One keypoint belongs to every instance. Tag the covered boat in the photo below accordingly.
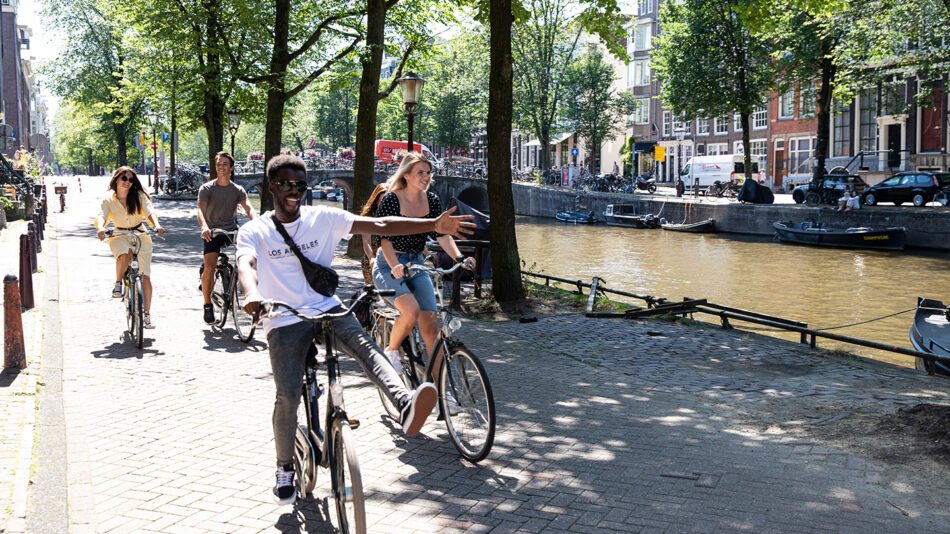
(575, 217)
(709, 225)
(815, 233)
(931, 333)
(625, 215)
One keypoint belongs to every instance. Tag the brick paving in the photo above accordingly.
(603, 426)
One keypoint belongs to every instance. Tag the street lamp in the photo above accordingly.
(234, 122)
(680, 133)
(153, 118)
(410, 85)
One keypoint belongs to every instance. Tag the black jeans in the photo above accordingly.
(288, 346)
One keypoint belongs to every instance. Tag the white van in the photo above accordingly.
(726, 167)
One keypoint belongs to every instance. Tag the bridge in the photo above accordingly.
(471, 191)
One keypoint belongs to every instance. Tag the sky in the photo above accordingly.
(44, 45)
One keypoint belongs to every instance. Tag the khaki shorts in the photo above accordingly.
(123, 244)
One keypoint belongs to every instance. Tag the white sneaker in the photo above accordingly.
(284, 490)
(147, 323)
(117, 290)
(452, 405)
(394, 359)
(415, 412)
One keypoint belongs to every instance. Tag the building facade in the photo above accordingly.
(19, 97)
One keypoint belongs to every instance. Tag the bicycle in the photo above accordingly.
(227, 294)
(310, 447)
(134, 295)
(466, 402)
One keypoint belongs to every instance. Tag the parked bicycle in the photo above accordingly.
(724, 188)
(133, 297)
(465, 395)
(227, 294)
(312, 447)
(185, 180)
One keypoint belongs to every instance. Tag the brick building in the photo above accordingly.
(19, 98)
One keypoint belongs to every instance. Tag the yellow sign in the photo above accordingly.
(660, 154)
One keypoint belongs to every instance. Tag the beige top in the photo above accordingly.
(113, 209)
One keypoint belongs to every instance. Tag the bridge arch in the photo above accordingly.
(474, 196)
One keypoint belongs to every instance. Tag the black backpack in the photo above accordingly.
(362, 311)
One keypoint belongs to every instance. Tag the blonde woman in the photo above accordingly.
(409, 196)
(126, 206)
(369, 241)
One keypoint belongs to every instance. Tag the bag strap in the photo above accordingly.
(290, 242)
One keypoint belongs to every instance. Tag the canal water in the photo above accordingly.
(823, 287)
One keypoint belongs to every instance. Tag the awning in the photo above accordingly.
(561, 138)
(646, 146)
(533, 142)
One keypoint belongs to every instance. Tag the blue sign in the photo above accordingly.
(164, 137)
(574, 152)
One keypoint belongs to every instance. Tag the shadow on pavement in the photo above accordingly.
(225, 340)
(309, 515)
(126, 349)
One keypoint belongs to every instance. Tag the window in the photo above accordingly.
(759, 148)
(641, 37)
(702, 126)
(687, 152)
(642, 113)
(786, 105)
(842, 129)
(721, 126)
(800, 154)
(737, 122)
(685, 127)
(641, 72)
(808, 96)
(667, 124)
(700, 150)
(644, 7)
(868, 120)
(760, 118)
(717, 149)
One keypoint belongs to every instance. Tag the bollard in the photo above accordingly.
(14, 351)
(31, 234)
(78, 179)
(26, 275)
(62, 202)
(38, 227)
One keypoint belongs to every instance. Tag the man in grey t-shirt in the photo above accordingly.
(217, 209)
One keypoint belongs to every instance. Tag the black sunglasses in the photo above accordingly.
(287, 185)
(126, 178)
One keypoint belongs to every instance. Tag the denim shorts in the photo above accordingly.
(418, 284)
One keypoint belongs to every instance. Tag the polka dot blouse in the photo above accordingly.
(414, 243)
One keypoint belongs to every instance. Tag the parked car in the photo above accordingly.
(916, 187)
(829, 192)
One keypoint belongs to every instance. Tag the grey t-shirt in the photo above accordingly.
(222, 203)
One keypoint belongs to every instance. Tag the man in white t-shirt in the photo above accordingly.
(268, 269)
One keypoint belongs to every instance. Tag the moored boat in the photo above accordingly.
(625, 215)
(709, 225)
(575, 217)
(931, 333)
(815, 233)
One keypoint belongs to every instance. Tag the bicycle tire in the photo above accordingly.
(472, 426)
(381, 330)
(139, 312)
(219, 297)
(346, 481)
(129, 308)
(305, 464)
(243, 321)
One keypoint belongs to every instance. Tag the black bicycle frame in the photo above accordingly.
(313, 392)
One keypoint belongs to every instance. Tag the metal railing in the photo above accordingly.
(725, 313)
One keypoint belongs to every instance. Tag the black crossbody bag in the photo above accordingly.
(322, 279)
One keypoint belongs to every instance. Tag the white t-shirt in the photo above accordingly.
(316, 232)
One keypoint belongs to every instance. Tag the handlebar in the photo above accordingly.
(270, 308)
(112, 232)
(434, 270)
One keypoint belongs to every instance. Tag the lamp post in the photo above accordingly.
(153, 118)
(410, 85)
(234, 122)
(680, 133)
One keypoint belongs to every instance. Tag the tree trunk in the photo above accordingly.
(506, 264)
(747, 160)
(364, 162)
(544, 137)
(276, 97)
(121, 144)
(214, 127)
(824, 108)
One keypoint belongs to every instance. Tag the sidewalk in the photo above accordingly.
(603, 425)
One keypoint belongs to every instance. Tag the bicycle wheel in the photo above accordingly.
(468, 404)
(305, 464)
(243, 321)
(346, 480)
(381, 329)
(139, 312)
(129, 302)
(219, 297)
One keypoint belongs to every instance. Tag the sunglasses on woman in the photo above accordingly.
(287, 185)
(126, 178)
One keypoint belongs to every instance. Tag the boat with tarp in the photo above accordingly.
(816, 233)
(625, 215)
(931, 333)
(575, 217)
(699, 227)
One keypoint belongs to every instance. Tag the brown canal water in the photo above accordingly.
(823, 287)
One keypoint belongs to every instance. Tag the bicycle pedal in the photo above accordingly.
(354, 423)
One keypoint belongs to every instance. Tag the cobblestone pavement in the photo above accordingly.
(603, 425)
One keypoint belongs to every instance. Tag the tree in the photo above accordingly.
(711, 64)
(334, 112)
(591, 105)
(457, 102)
(543, 49)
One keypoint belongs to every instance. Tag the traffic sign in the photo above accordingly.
(660, 153)
(164, 137)
(154, 146)
(574, 152)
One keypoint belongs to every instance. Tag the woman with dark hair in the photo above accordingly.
(126, 205)
(409, 196)
(369, 242)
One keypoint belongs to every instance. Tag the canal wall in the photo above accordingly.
(927, 227)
